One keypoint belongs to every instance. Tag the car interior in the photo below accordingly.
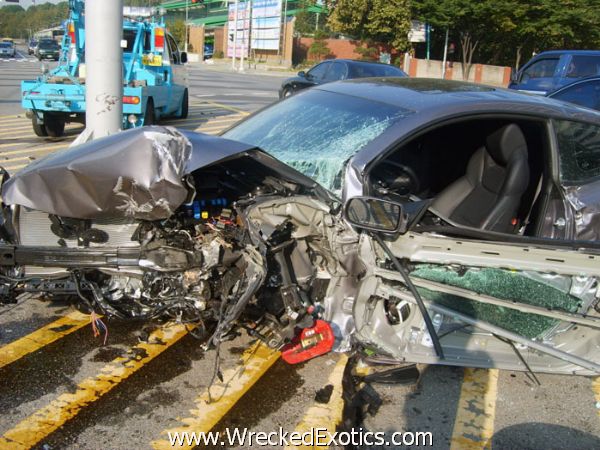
(486, 174)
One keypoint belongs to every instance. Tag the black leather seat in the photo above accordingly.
(488, 195)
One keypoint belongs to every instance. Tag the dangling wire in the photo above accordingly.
(96, 322)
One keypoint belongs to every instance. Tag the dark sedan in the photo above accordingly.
(48, 49)
(336, 70)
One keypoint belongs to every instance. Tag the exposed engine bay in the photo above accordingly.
(244, 243)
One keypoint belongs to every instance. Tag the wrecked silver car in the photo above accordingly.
(426, 221)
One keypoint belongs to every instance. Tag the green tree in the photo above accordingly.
(386, 21)
(319, 49)
(474, 23)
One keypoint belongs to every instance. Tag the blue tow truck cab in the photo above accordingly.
(154, 75)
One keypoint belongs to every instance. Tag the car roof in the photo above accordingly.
(357, 61)
(568, 52)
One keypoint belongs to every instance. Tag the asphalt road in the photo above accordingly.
(61, 387)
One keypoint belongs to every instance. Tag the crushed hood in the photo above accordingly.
(138, 173)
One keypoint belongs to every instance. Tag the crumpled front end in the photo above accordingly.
(156, 223)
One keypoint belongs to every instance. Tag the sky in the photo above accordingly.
(27, 3)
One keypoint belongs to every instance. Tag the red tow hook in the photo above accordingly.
(312, 342)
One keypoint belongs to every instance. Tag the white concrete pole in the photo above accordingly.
(235, 20)
(243, 36)
(445, 55)
(186, 26)
(104, 67)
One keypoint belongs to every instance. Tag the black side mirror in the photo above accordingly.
(183, 57)
(302, 74)
(375, 214)
(514, 75)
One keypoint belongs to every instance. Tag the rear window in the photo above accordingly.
(365, 70)
(48, 44)
(130, 35)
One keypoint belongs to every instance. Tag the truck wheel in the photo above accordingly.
(149, 117)
(185, 105)
(55, 127)
(38, 128)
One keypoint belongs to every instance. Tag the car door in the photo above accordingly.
(540, 76)
(178, 75)
(492, 299)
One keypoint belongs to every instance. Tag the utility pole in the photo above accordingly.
(186, 26)
(427, 38)
(445, 55)
(244, 17)
(235, 20)
(104, 64)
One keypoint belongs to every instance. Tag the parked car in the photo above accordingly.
(47, 49)
(548, 71)
(584, 92)
(336, 70)
(7, 49)
(429, 221)
(31, 46)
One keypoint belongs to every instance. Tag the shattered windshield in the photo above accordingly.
(316, 132)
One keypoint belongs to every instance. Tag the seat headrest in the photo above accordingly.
(502, 144)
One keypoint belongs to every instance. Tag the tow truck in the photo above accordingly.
(154, 75)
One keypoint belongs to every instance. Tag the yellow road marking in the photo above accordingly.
(44, 421)
(237, 381)
(42, 337)
(36, 144)
(327, 415)
(474, 423)
(30, 150)
(230, 108)
(207, 120)
(596, 389)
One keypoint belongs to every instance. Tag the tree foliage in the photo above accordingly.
(507, 31)
(17, 22)
(386, 21)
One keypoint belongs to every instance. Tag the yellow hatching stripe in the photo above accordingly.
(596, 389)
(327, 415)
(237, 381)
(474, 423)
(44, 421)
(230, 108)
(42, 337)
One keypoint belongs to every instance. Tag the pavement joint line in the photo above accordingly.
(476, 410)
(45, 335)
(49, 418)
(330, 414)
(255, 362)
(65, 141)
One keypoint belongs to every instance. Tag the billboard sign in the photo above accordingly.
(243, 29)
(266, 24)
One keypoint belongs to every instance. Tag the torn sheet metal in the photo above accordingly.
(135, 173)
(586, 203)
